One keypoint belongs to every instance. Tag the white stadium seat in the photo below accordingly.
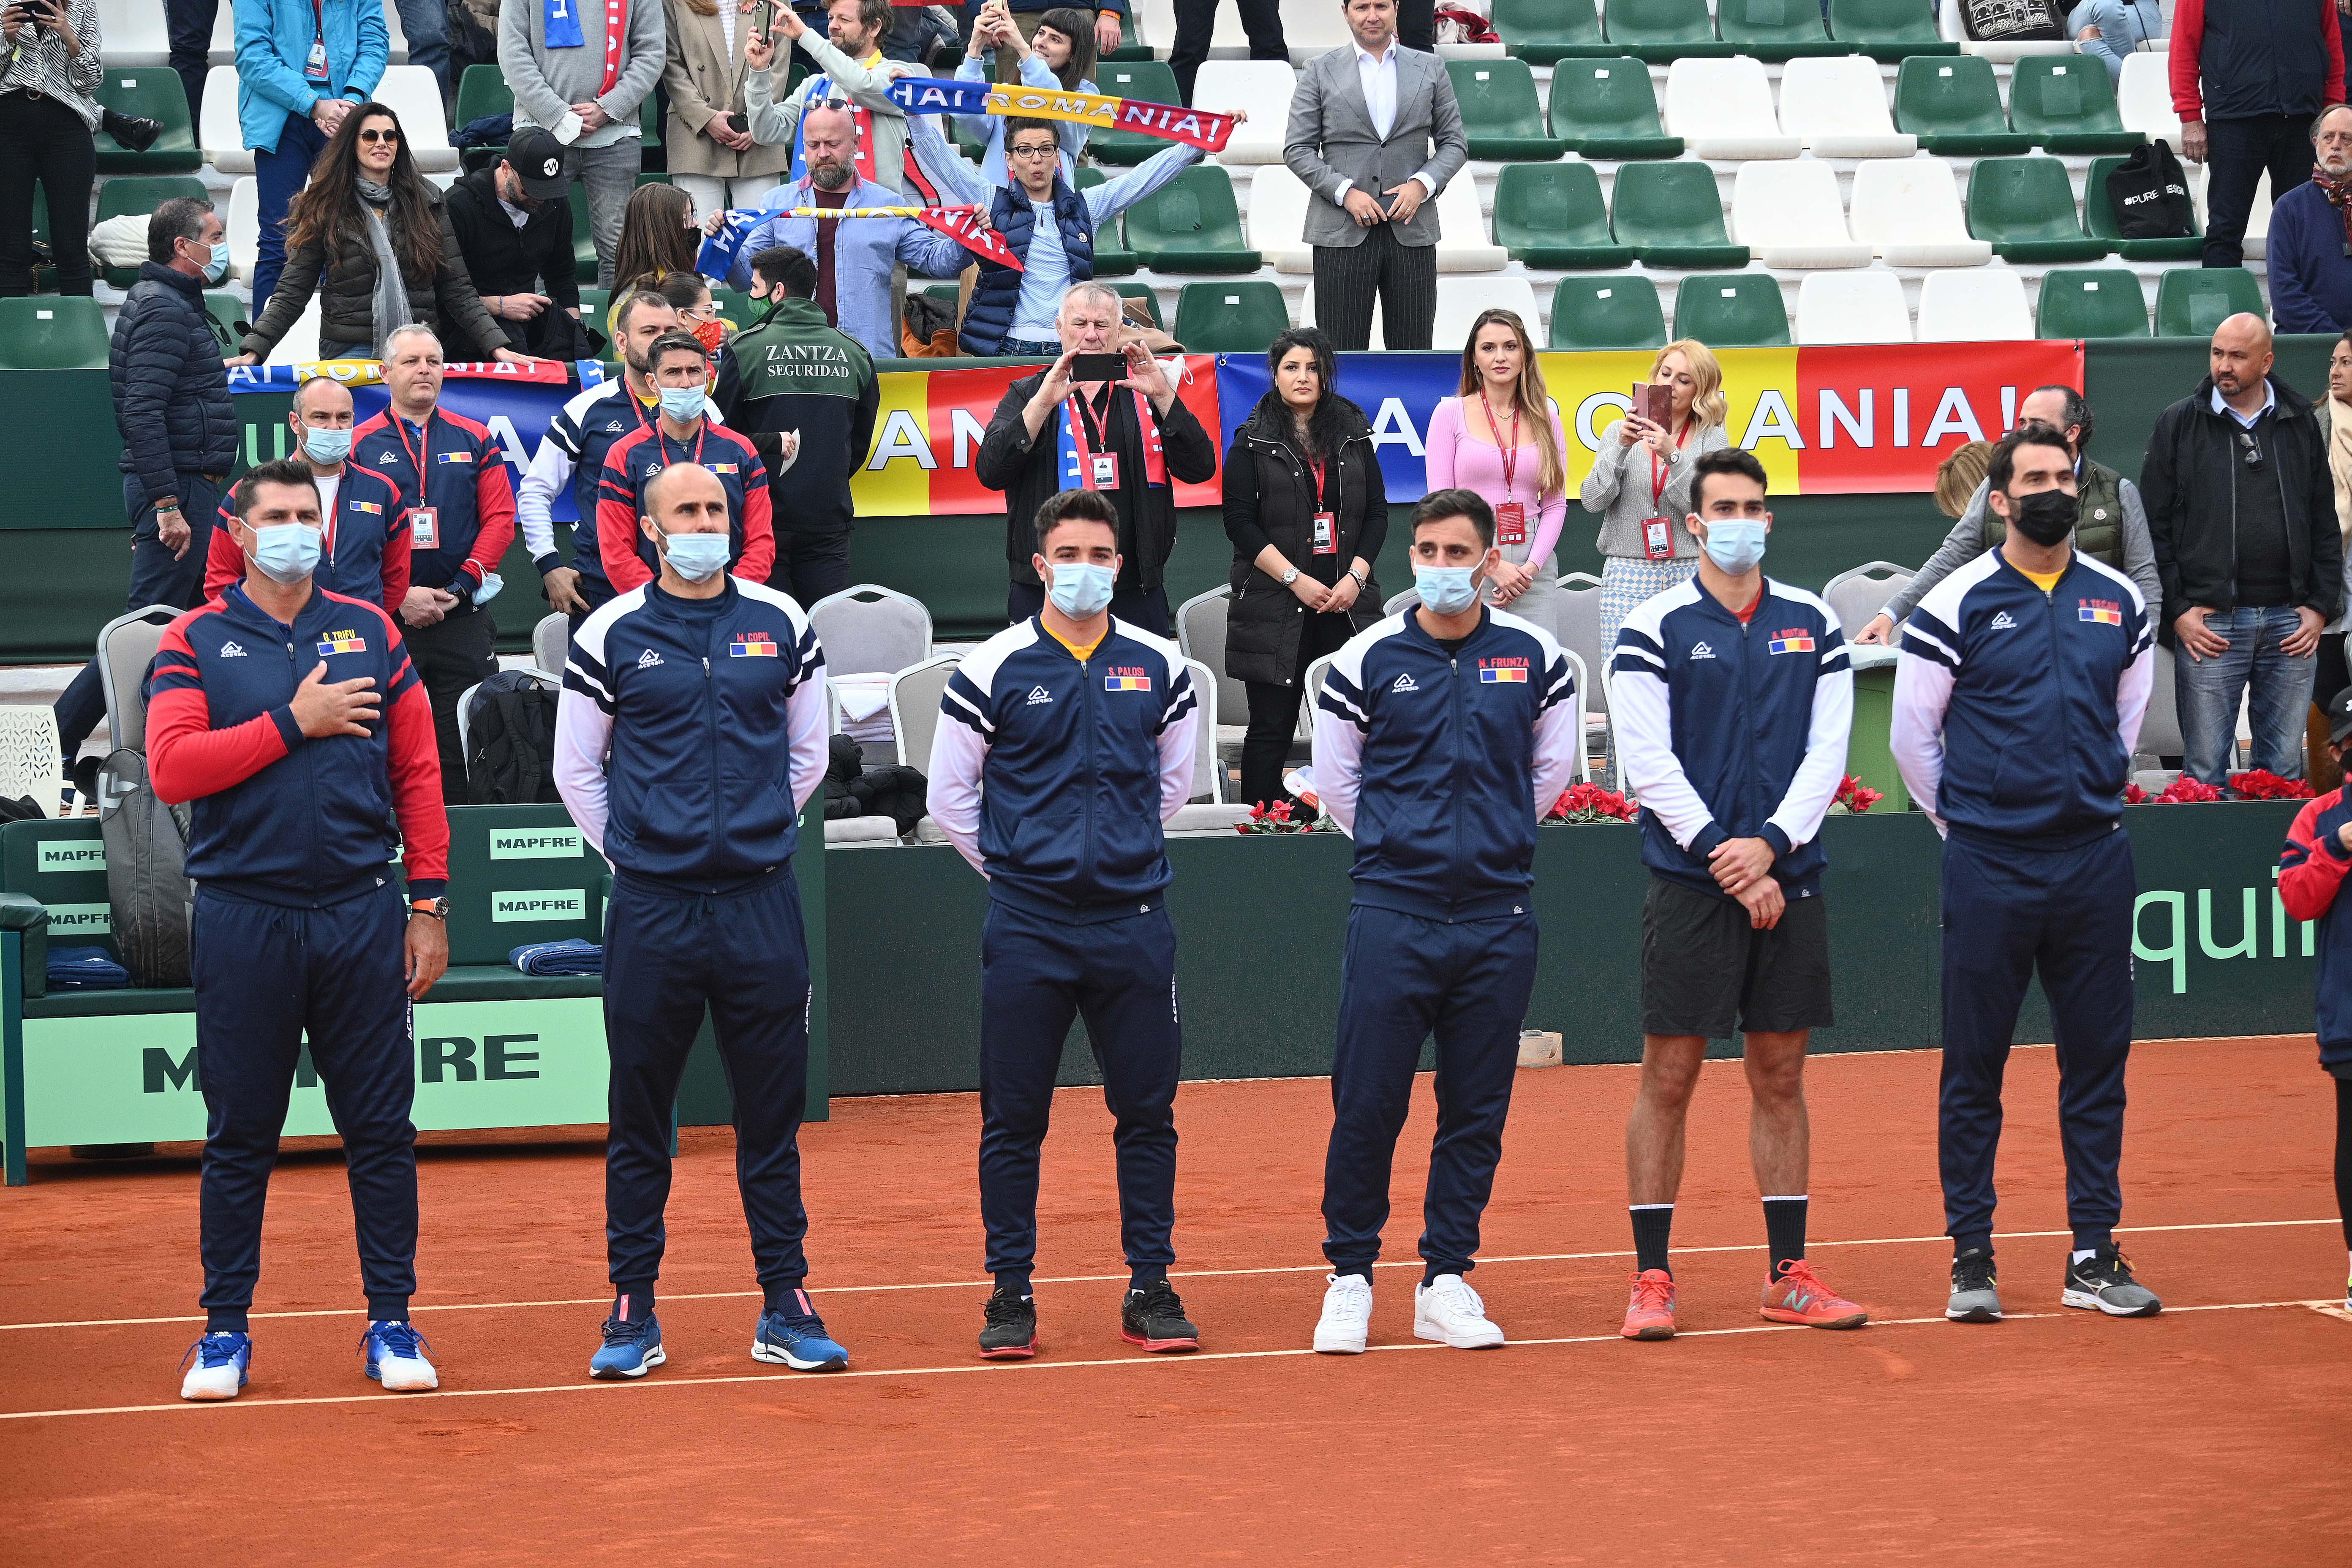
(245, 228)
(1723, 109)
(217, 134)
(1788, 214)
(1859, 306)
(1309, 29)
(1277, 219)
(1261, 87)
(410, 92)
(1949, 25)
(300, 344)
(2143, 97)
(1837, 105)
(1908, 210)
(133, 33)
(1462, 244)
(2258, 222)
(1974, 304)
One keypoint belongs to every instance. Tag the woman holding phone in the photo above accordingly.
(1061, 55)
(1502, 437)
(48, 71)
(712, 157)
(1640, 484)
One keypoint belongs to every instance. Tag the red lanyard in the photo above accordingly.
(1510, 449)
(1658, 473)
(701, 431)
(424, 437)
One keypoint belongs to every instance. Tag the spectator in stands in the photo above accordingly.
(47, 75)
(2239, 507)
(572, 456)
(712, 155)
(303, 775)
(1060, 56)
(189, 25)
(1960, 474)
(372, 238)
(683, 433)
(300, 71)
(807, 395)
(2331, 674)
(179, 435)
(1196, 22)
(1375, 134)
(697, 309)
(926, 37)
(851, 72)
(513, 227)
(855, 257)
(2310, 272)
(452, 478)
(1050, 435)
(1639, 483)
(1048, 226)
(1474, 443)
(2246, 81)
(2111, 529)
(1027, 17)
(657, 239)
(1307, 511)
(587, 91)
(2107, 30)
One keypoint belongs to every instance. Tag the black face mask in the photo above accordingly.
(2045, 517)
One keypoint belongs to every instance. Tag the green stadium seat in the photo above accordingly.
(145, 91)
(2025, 207)
(1500, 113)
(1954, 106)
(583, 239)
(1552, 214)
(1732, 310)
(1545, 32)
(2190, 302)
(1238, 317)
(1192, 225)
(1143, 291)
(1774, 30)
(52, 331)
(1606, 109)
(1672, 214)
(1151, 81)
(1887, 29)
(738, 310)
(1661, 29)
(2091, 302)
(1112, 257)
(1617, 310)
(226, 311)
(2099, 223)
(136, 195)
(2068, 104)
(482, 91)
(593, 303)
(649, 122)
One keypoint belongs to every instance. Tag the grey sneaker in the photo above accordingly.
(1975, 1298)
(2104, 1282)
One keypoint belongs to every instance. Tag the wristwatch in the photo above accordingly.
(437, 907)
(1289, 575)
(1362, 580)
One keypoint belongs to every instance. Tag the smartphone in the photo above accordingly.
(1653, 403)
(1099, 367)
(763, 18)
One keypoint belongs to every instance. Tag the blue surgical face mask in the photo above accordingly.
(489, 588)
(1081, 590)
(326, 445)
(682, 403)
(1447, 590)
(1735, 543)
(285, 551)
(217, 267)
(694, 556)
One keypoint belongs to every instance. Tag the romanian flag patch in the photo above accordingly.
(721, 467)
(341, 642)
(2100, 610)
(1127, 682)
(453, 457)
(1490, 674)
(752, 644)
(375, 508)
(1796, 640)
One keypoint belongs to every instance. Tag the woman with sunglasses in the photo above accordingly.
(374, 241)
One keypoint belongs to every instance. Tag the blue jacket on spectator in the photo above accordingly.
(862, 253)
(2311, 278)
(273, 40)
(170, 390)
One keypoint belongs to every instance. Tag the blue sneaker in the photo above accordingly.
(631, 1350)
(395, 1357)
(216, 1365)
(798, 1339)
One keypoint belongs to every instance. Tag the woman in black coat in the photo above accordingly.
(1307, 512)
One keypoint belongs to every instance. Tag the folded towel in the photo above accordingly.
(85, 969)
(573, 957)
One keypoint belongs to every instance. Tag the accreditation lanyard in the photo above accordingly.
(424, 521)
(1098, 470)
(1657, 531)
(314, 68)
(701, 431)
(1511, 516)
(1326, 538)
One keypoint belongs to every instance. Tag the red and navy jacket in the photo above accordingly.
(2311, 873)
(364, 556)
(636, 457)
(466, 485)
(279, 818)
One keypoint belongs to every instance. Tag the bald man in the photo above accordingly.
(2241, 511)
(708, 691)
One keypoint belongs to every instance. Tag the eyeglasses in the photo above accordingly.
(1045, 152)
(2250, 451)
(392, 137)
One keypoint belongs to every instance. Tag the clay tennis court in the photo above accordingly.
(2218, 1429)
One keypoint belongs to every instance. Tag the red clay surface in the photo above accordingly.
(2057, 1432)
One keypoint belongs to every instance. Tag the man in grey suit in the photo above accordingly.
(1375, 134)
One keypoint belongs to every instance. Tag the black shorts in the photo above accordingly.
(1706, 971)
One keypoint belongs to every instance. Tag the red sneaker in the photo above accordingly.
(1799, 1297)
(1650, 1314)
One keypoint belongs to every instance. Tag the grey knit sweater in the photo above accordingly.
(1619, 488)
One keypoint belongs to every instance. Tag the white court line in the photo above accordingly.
(1011, 1369)
(606, 1301)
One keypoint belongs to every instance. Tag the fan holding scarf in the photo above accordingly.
(580, 68)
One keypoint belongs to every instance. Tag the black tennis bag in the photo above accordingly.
(146, 873)
(2150, 195)
(510, 742)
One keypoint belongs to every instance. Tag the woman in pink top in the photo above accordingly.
(1501, 438)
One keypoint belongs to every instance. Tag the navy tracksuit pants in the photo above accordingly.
(265, 977)
(2009, 910)
(1037, 974)
(1402, 979)
(667, 956)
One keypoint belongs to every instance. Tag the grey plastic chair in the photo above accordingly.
(126, 646)
(1208, 773)
(550, 641)
(915, 693)
(1859, 593)
(870, 629)
(1201, 633)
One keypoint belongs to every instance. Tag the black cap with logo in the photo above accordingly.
(538, 160)
(2339, 715)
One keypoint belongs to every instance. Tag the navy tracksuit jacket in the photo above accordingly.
(2015, 712)
(713, 711)
(1439, 764)
(2310, 878)
(299, 924)
(1052, 775)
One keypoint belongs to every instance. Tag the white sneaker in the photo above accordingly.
(1450, 1313)
(1346, 1316)
(216, 1365)
(395, 1357)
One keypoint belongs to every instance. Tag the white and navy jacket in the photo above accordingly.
(1054, 777)
(1439, 765)
(1732, 730)
(714, 713)
(2016, 710)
